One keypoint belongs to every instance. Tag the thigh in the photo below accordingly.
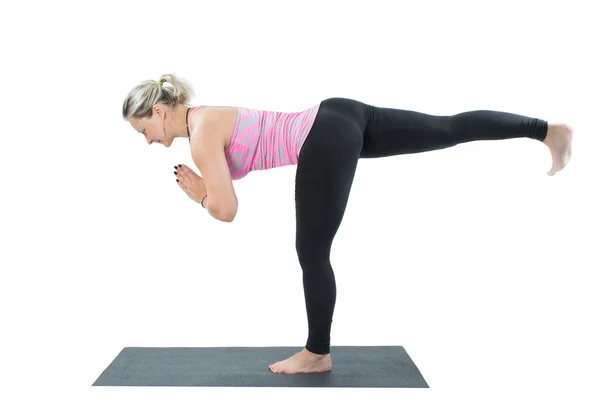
(392, 131)
(326, 167)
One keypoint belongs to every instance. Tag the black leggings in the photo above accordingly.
(344, 131)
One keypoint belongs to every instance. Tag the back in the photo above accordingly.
(266, 139)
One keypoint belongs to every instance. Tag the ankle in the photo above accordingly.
(553, 130)
(313, 355)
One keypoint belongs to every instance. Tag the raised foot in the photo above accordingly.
(559, 140)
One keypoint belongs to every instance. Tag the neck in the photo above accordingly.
(178, 122)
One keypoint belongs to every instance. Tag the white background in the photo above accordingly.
(473, 259)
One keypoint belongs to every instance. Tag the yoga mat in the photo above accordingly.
(353, 366)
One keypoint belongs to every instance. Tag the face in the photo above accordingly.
(153, 128)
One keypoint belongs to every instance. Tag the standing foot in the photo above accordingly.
(303, 363)
(559, 140)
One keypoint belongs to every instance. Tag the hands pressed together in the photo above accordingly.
(190, 182)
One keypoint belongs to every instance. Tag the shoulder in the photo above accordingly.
(205, 124)
(215, 125)
(200, 117)
(212, 114)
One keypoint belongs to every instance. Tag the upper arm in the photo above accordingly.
(209, 156)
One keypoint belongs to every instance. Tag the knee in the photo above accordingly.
(311, 256)
(304, 254)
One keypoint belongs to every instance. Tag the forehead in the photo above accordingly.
(136, 123)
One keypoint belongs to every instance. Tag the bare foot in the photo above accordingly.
(559, 140)
(304, 362)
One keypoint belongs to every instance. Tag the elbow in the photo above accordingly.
(223, 210)
(228, 215)
(222, 215)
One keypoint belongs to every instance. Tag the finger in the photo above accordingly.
(178, 176)
(179, 172)
(188, 176)
(182, 185)
(184, 171)
(181, 168)
(183, 179)
(188, 171)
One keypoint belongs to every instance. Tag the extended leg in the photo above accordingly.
(391, 131)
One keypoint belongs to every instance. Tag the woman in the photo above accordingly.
(326, 142)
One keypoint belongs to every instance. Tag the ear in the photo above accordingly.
(158, 110)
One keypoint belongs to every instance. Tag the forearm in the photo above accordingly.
(206, 203)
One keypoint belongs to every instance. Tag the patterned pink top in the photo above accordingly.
(266, 139)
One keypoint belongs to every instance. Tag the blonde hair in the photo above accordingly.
(140, 100)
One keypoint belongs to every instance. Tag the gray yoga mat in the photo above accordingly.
(353, 366)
